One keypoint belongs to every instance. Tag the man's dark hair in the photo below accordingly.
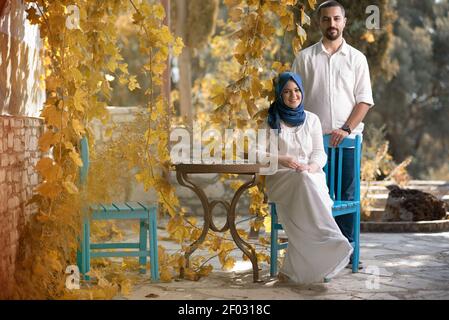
(331, 3)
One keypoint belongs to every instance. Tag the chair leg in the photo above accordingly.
(143, 245)
(274, 242)
(356, 254)
(87, 246)
(83, 259)
(79, 255)
(79, 250)
(153, 244)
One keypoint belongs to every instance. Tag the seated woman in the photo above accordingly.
(316, 249)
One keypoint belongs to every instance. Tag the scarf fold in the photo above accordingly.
(279, 111)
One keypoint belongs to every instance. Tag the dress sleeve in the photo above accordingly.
(263, 147)
(318, 155)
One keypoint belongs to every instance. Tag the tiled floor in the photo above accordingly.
(396, 266)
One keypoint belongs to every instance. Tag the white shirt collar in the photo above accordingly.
(343, 48)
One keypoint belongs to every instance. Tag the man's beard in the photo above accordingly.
(333, 36)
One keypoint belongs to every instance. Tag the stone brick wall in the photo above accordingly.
(18, 156)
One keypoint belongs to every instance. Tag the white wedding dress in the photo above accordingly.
(316, 247)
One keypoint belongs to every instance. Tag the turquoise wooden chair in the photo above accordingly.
(117, 211)
(339, 208)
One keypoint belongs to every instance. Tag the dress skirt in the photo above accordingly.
(316, 247)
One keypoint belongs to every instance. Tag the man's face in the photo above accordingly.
(332, 23)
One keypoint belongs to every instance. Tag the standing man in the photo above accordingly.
(338, 89)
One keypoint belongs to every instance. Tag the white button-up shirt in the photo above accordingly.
(334, 84)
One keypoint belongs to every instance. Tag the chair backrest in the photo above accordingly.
(336, 155)
(84, 150)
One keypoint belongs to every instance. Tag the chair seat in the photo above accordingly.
(345, 207)
(277, 226)
(119, 211)
(119, 207)
(338, 205)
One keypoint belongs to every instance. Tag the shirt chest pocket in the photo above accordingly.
(345, 78)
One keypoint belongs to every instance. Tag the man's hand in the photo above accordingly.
(337, 137)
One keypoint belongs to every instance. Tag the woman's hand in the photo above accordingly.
(312, 168)
(302, 167)
(289, 162)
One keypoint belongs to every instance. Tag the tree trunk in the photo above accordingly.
(2, 4)
(20, 62)
(166, 76)
(185, 80)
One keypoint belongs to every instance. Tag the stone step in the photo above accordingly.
(405, 226)
(411, 182)
(379, 200)
(372, 214)
(375, 215)
(435, 189)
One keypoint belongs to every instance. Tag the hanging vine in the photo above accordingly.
(81, 59)
(240, 103)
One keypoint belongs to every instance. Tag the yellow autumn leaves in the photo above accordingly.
(239, 103)
(80, 63)
(255, 32)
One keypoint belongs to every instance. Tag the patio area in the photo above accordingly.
(397, 266)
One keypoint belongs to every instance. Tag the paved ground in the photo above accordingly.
(397, 266)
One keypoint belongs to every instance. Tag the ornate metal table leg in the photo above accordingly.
(244, 246)
(230, 222)
(184, 181)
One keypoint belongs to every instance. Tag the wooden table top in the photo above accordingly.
(244, 168)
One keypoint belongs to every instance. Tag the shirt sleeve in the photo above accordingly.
(318, 154)
(362, 89)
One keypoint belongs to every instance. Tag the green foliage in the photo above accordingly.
(377, 162)
(414, 105)
(376, 43)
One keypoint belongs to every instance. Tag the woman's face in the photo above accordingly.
(291, 95)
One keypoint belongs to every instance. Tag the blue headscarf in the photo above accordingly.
(279, 111)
